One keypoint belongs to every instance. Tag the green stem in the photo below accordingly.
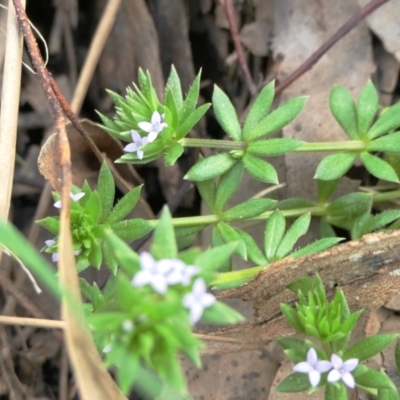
(394, 194)
(212, 143)
(351, 145)
(226, 280)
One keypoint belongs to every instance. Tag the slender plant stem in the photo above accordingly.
(392, 195)
(350, 145)
(213, 144)
(353, 145)
(342, 31)
(238, 47)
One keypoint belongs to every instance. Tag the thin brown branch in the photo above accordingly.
(239, 48)
(341, 32)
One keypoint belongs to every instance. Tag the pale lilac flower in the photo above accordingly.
(55, 256)
(107, 348)
(313, 367)
(75, 197)
(151, 273)
(154, 127)
(177, 271)
(341, 370)
(137, 143)
(128, 325)
(197, 300)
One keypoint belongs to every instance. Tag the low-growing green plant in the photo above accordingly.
(145, 313)
(332, 364)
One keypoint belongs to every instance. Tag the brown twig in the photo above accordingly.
(238, 47)
(44, 79)
(342, 31)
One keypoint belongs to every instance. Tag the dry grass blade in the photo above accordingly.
(93, 380)
(9, 109)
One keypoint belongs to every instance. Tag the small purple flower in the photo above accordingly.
(313, 367)
(75, 197)
(154, 127)
(177, 271)
(151, 273)
(55, 256)
(341, 370)
(137, 144)
(197, 300)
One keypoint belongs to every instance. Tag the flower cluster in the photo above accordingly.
(167, 272)
(338, 369)
(153, 128)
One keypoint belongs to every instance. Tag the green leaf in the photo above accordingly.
(389, 120)
(248, 209)
(336, 392)
(186, 125)
(374, 379)
(254, 253)
(126, 257)
(106, 189)
(277, 119)
(95, 256)
(273, 147)
(299, 228)
(369, 346)
(175, 84)
(86, 289)
(349, 205)
(226, 114)
(126, 371)
(190, 102)
(397, 356)
(260, 169)
(229, 235)
(212, 259)
(109, 258)
(304, 285)
(316, 247)
(367, 107)
(170, 109)
(93, 207)
(207, 190)
(296, 382)
(97, 298)
(325, 229)
(164, 243)
(220, 313)
(388, 394)
(291, 316)
(344, 110)
(52, 224)
(132, 229)
(382, 219)
(379, 168)
(334, 166)
(125, 205)
(388, 143)
(211, 167)
(172, 153)
(227, 186)
(259, 108)
(326, 189)
(273, 234)
(217, 240)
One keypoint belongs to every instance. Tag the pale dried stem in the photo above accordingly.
(36, 322)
